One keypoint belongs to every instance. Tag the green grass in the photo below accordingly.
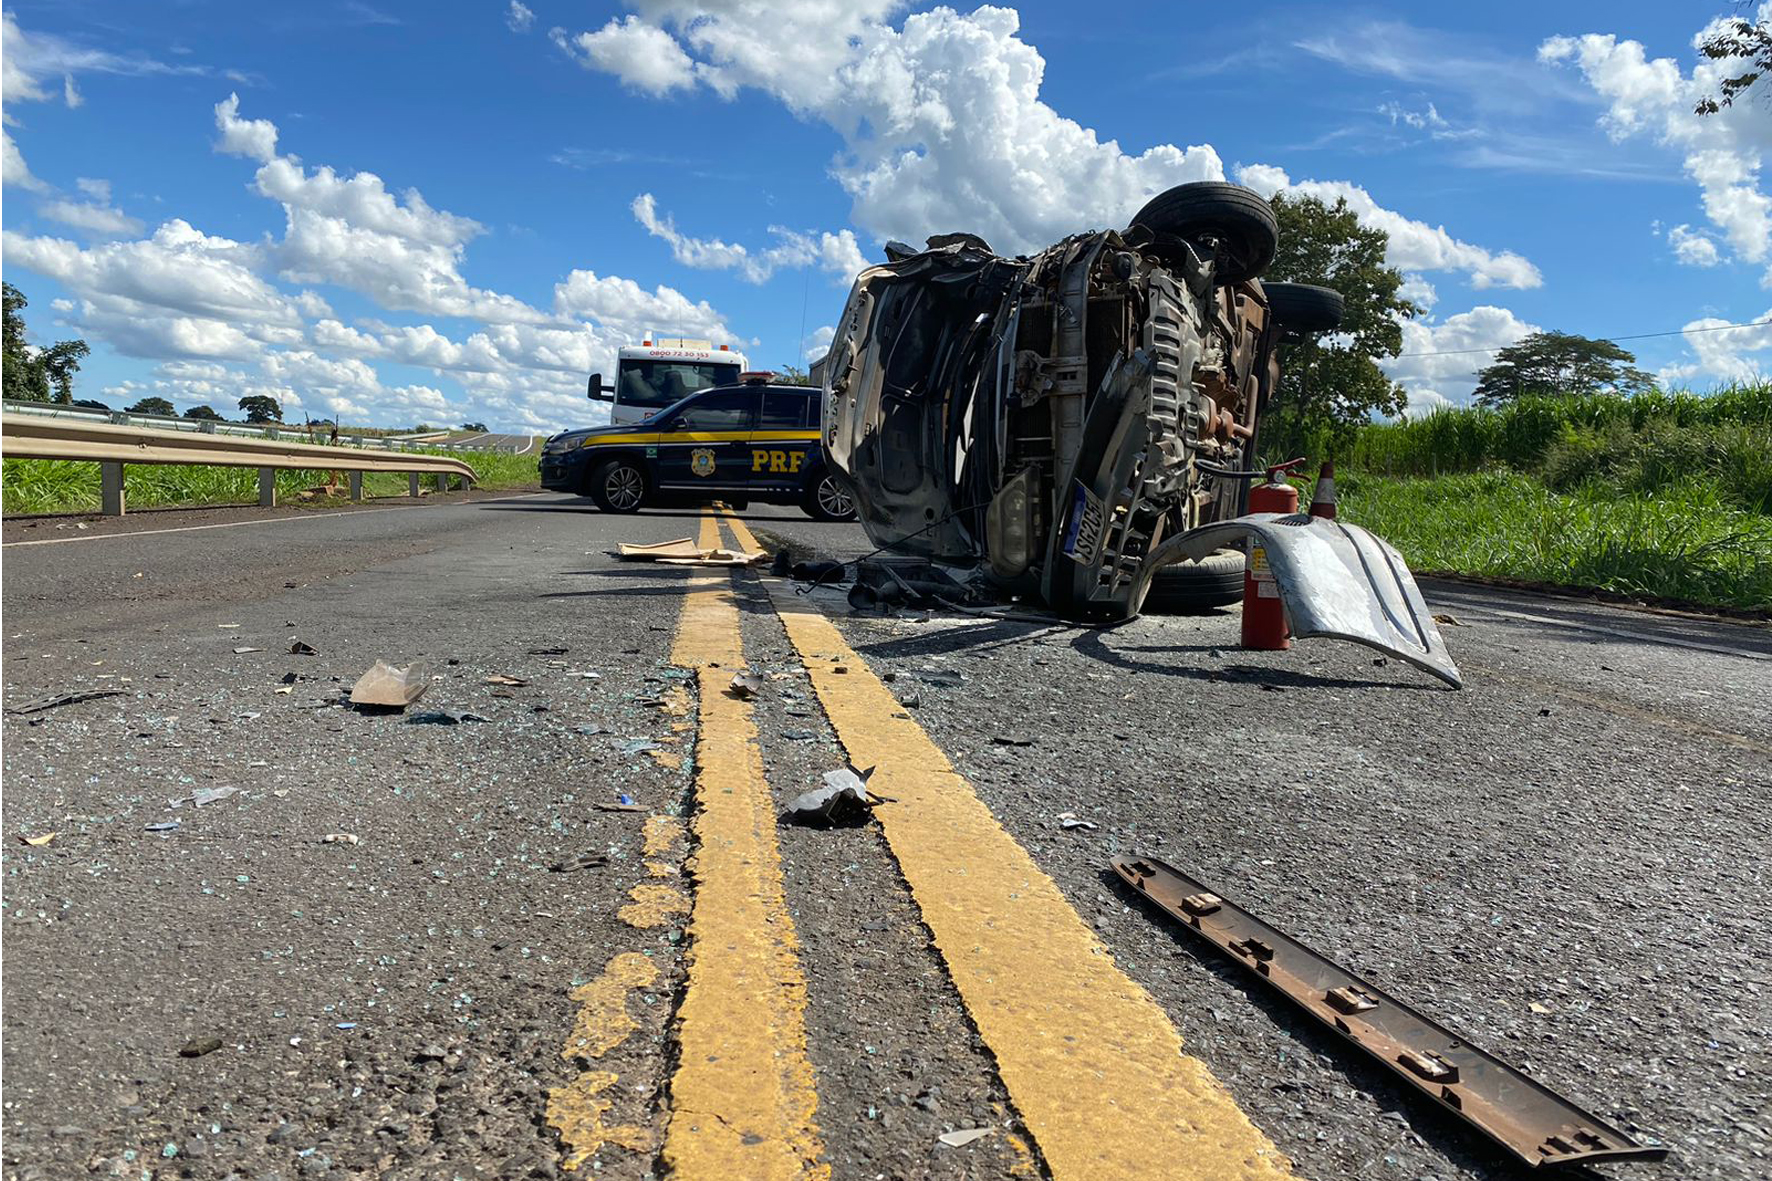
(1682, 541)
(66, 486)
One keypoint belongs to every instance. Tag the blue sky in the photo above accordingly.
(454, 211)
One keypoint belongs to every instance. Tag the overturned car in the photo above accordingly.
(1070, 426)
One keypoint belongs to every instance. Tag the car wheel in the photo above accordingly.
(1302, 307)
(1241, 224)
(1188, 588)
(619, 486)
(827, 500)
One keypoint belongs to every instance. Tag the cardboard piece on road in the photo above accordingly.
(384, 685)
(51, 702)
(685, 552)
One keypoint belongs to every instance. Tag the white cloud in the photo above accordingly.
(1414, 245)
(1419, 292)
(1440, 359)
(1692, 248)
(71, 93)
(256, 139)
(943, 124)
(642, 56)
(1722, 354)
(838, 253)
(1722, 153)
(13, 169)
(98, 190)
(519, 17)
(104, 220)
(1421, 403)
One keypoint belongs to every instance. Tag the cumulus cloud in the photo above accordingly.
(838, 253)
(1723, 354)
(1692, 248)
(643, 56)
(1414, 245)
(256, 139)
(1440, 358)
(1655, 97)
(93, 217)
(14, 172)
(519, 17)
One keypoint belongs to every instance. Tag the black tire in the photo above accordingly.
(619, 485)
(1301, 307)
(827, 500)
(1188, 588)
(1242, 224)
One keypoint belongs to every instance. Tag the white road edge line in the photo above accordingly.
(1629, 634)
(392, 508)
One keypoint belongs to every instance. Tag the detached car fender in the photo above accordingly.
(1335, 579)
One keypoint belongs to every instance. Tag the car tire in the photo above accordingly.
(828, 500)
(619, 485)
(1246, 234)
(1188, 588)
(1303, 307)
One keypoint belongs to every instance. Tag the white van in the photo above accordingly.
(662, 372)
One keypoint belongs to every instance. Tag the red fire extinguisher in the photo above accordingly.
(1264, 621)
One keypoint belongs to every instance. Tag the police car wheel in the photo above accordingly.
(827, 500)
(619, 486)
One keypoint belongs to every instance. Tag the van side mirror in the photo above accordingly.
(596, 391)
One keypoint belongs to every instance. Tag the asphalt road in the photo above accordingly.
(1566, 861)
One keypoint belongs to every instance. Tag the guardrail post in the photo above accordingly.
(442, 481)
(356, 485)
(267, 487)
(412, 485)
(111, 488)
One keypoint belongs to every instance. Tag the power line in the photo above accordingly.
(1614, 339)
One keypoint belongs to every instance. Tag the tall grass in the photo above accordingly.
(67, 486)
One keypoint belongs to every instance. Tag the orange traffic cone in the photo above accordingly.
(1323, 499)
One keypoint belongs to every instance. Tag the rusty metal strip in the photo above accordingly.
(1529, 1120)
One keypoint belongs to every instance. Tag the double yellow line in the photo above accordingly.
(1093, 1065)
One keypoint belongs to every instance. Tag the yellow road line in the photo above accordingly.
(1091, 1061)
(576, 1110)
(742, 1097)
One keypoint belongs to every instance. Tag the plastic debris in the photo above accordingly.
(844, 799)
(746, 684)
(1012, 740)
(60, 699)
(504, 679)
(1448, 621)
(388, 687)
(297, 648)
(39, 841)
(1071, 820)
(582, 861)
(961, 1137)
(592, 729)
(444, 717)
(941, 676)
(341, 838)
(548, 651)
(161, 826)
(199, 1046)
(245, 648)
(212, 795)
(639, 746)
(798, 735)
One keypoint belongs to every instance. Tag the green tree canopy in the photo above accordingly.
(33, 374)
(475, 426)
(791, 375)
(152, 406)
(1560, 364)
(1335, 380)
(1736, 38)
(204, 412)
(261, 408)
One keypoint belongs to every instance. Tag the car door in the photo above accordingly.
(705, 444)
(786, 438)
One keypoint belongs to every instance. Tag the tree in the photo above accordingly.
(90, 404)
(1560, 364)
(475, 426)
(29, 373)
(1736, 38)
(791, 375)
(152, 406)
(206, 413)
(261, 408)
(1335, 382)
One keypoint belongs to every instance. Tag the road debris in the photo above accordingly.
(1071, 820)
(746, 684)
(245, 648)
(445, 717)
(1530, 1121)
(639, 746)
(504, 679)
(1011, 740)
(161, 826)
(387, 687)
(582, 861)
(960, 1137)
(685, 552)
(340, 838)
(212, 795)
(199, 1046)
(60, 699)
(547, 651)
(844, 799)
(38, 842)
(297, 648)
(1448, 621)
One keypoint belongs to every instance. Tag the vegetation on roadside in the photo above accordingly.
(1660, 494)
(65, 486)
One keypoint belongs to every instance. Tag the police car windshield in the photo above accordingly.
(661, 384)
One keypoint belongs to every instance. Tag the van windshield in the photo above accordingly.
(657, 384)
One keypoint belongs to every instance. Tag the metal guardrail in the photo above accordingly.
(25, 436)
(210, 426)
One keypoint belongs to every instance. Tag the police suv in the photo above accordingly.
(737, 443)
